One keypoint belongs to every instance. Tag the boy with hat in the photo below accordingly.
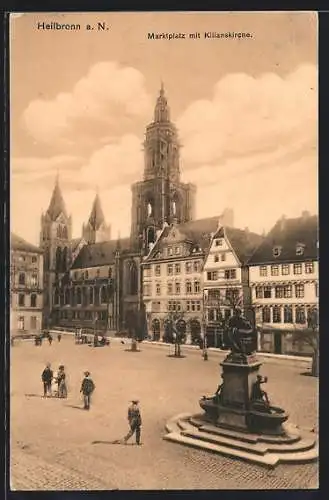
(135, 421)
(87, 388)
(61, 376)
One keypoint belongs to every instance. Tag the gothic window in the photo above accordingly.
(103, 295)
(64, 232)
(150, 235)
(133, 279)
(64, 259)
(58, 264)
(67, 296)
(149, 209)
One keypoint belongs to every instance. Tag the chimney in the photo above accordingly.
(246, 229)
(305, 214)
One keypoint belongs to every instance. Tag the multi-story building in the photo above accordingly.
(226, 278)
(172, 274)
(284, 282)
(26, 287)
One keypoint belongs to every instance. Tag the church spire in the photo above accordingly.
(96, 218)
(57, 205)
(162, 110)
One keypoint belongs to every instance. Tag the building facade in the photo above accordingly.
(284, 284)
(26, 287)
(172, 275)
(226, 279)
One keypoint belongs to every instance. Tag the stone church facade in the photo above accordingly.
(96, 282)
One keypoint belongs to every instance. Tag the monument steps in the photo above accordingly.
(302, 449)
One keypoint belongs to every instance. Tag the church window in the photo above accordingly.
(58, 259)
(149, 208)
(64, 232)
(91, 295)
(64, 259)
(133, 279)
(103, 295)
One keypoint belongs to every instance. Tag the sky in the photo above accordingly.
(246, 111)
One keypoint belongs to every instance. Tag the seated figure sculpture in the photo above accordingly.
(241, 334)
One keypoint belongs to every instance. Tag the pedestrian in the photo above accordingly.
(87, 388)
(47, 377)
(59, 337)
(135, 422)
(50, 339)
(61, 382)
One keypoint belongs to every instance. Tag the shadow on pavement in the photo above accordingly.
(116, 441)
(75, 407)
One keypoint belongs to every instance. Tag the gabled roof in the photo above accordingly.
(18, 243)
(99, 254)
(198, 232)
(75, 242)
(96, 218)
(242, 241)
(57, 205)
(287, 234)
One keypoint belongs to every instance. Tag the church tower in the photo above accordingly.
(161, 197)
(55, 240)
(96, 229)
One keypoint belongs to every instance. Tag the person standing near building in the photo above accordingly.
(135, 422)
(59, 337)
(87, 388)
(47, 377)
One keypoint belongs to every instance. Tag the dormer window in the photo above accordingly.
(276, 251)
(300, 247)
(170, 252)
(219, 243)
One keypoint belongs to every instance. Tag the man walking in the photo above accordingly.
(47, 377)
(87, 388)
(135, 422)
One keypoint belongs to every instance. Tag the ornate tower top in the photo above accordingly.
(96, 218)
(57, 205)
(162, 110)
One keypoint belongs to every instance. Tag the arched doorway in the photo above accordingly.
(156, 329)
(195, 328)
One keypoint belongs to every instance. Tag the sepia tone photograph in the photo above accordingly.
(164, 285)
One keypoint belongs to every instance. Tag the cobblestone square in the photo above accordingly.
(52, 440)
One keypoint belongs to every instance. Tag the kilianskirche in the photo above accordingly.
(95, 281)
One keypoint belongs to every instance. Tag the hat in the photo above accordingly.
(86, 373)
(136, 401)
(61, 367)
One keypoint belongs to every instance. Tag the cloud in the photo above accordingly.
(248, 115)
(31, 169)
(106, 93)
(114, 164)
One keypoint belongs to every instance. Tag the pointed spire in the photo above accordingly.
(96, 217)
(57, 205)
(162, 111)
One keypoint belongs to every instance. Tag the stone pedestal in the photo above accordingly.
(239, 375)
